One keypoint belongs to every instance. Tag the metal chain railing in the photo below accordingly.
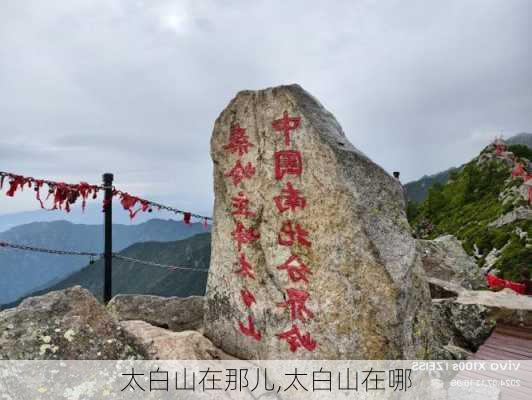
(49, 251)
(154, 264)
(90, 254)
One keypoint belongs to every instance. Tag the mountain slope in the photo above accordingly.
(418, 190)
(24, 271)
(469, 206)
(130, 277)
(92, 215)
(521, 138)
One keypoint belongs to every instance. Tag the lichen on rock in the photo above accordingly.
(63, 325)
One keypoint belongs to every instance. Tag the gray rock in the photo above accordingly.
(174, 313)
(455, 324)
(440, 289)
(162, 344)
(467, 320)
(519, 214)
(68, 324)
(504, 306)
(444, 258)
(458, 353)
(367, 294)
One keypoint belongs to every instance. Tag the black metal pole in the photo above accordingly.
(108, 234)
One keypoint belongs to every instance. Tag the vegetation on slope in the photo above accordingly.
(468, 203)
(23, 272)
(520, 145)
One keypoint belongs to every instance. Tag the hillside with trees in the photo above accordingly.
(486, 208)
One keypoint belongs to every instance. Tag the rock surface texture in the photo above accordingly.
(66, 325)
(162, 344)
(519, 214)
(173, 313)
(444, 258)
(466, 321)
(312, 254)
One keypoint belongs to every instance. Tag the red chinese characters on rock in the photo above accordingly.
(290, 235)
(289, 199)
(245, 270)
(287, 162)
(244, 235)
(296, 269)
(290, 163)
(247, 297)
(285, 125)
(240, 172)
(296, 304)
(250, 329)
(238, 141)
(240, 204)
(239, 144)
(295, 339)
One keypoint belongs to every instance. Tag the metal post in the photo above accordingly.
(108, 235)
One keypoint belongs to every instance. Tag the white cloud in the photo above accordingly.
(134, 87)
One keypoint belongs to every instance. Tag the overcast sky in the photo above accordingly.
(134, 87)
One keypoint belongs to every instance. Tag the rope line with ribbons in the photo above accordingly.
(66, 194)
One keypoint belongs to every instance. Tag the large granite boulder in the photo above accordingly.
(444, 258)
(66, 325)
(162, 344)
(173, 313)
(312, 255)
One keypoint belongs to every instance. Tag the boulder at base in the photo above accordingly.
(162, 344)
(68, 324)
(312, 255)
(466, 320)
(444, 258)
(174, 313)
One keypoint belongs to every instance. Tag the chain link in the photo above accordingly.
(159, 206)
(49, 251)
(89, 254)
(46, 182)
(154, 264)
(176, 211)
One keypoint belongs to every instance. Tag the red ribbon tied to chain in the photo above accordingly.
(129, 202)
(64, 195)
(16, 183)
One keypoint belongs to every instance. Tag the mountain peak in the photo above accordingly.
(523, 138)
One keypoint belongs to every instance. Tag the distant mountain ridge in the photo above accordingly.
(92, 215)
(24, 271)
(418, 190)
(521, 138)
(130, 277)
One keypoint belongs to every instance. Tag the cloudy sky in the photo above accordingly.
(133, 87)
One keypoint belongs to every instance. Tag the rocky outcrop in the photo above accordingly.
(173, 313)
(162, 344)
(67, 324)
(444, 258)
(504, 306)
(519, 214)
(466, 321)
(312, 254)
